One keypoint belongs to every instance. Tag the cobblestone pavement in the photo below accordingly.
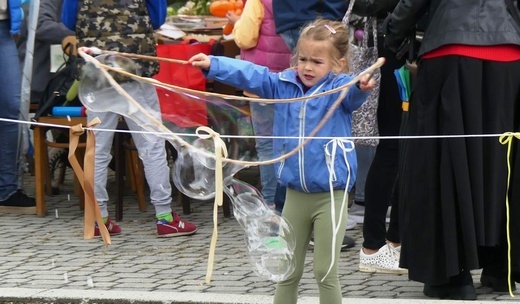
(49, 254)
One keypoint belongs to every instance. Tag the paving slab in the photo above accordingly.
(46, 260)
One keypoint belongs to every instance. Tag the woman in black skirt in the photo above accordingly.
(453, 192)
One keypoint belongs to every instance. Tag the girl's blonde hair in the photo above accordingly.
(326, 30)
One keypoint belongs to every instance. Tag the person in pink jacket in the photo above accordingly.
(255, 35)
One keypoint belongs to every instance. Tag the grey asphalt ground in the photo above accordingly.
(46, 260)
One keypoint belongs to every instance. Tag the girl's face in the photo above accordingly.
(314, 61)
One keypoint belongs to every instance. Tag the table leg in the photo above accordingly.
(41, 169)
(119, 158)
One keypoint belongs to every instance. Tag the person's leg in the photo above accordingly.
(102, 155)
(279, 197)
(10, 90)
(382, 174)
(495, 272)
(393, 232)
(297, 211)
(291, 37)
(152, 151)
(365, 155)
(378, 192)
(262, 119)
(326, 253)
(376, 255)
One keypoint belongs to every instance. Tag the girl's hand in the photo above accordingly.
(367, 83)
(200, 61)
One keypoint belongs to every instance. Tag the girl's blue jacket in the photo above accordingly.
(306, 171)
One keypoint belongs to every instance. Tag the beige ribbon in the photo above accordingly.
(220, 152)
(85, 176)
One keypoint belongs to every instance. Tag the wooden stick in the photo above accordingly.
(370, 70)
(162, 128)
(152, 58)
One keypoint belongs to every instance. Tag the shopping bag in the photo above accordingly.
(179, 109)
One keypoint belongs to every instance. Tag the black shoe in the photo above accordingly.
(446, 291)
(498, 284)
(18, 203)
(348, 242)
(459, 287)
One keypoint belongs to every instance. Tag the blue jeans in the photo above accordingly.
(10, 91)
(262, 116)
(291, 38)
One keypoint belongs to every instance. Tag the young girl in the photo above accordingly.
(317, 180)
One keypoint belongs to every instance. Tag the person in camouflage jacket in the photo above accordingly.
(127, 26)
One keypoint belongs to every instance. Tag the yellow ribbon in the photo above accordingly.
(220, 151)
(507, 139)
(86, 178)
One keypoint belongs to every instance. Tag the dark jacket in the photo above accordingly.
(293, 14)
(374, 8)
(49, 31)
(371, 8)
(477, 22)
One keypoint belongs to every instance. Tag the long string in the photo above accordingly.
(507, 139)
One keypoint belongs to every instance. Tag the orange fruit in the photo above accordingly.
(220, 8)
(228, 29)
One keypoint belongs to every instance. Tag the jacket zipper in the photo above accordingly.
(301, 139)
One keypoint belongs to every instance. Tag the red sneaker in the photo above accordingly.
(112, 228)
(177, 227)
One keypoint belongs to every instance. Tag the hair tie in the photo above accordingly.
(333, 31)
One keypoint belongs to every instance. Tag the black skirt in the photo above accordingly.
(453, 190)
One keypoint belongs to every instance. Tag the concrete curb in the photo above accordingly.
(27, 295)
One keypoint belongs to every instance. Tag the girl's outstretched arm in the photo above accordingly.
(241, 74)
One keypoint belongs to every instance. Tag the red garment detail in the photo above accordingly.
(502, 53)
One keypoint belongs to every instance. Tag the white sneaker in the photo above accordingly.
(385, 260)
(357, 213)
(351, 223)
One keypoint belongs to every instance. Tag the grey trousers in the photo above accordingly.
(151, 149)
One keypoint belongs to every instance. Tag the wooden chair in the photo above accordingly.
(42, 173)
